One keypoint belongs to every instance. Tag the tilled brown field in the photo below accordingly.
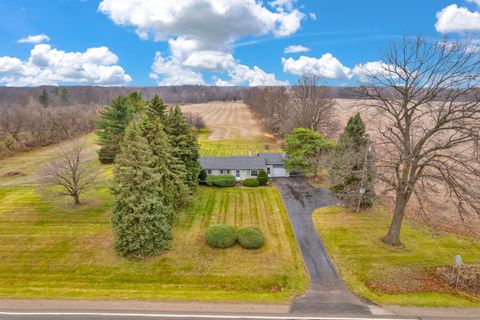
(227, 120)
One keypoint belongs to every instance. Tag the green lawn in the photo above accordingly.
(386, 275)
(49, 249)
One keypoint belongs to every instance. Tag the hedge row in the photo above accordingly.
(224, 236)
(221, 181)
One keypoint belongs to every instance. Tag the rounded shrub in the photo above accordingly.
(251, 182)
(251, 238)
(221, 236)
(221, 181)
(262, 177)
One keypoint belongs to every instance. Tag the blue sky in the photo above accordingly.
(145, 43)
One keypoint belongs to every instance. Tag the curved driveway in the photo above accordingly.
(327, 292)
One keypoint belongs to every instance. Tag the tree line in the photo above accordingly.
(305, 105)
(30, 126)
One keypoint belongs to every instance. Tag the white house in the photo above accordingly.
(243, 167)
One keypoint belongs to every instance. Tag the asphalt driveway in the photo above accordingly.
(327, 292)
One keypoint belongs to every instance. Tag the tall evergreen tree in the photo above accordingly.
(111, 127)
(156, 108)
(175, 193)
(184, 141)
(141, 214)
(352, 167)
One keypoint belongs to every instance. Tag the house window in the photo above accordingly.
(221, 171)
(254, 173)
(268, 170)
(209, 171)
(228, 171)
(237, 173)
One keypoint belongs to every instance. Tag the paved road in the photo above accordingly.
(328, 294)
(104, 315)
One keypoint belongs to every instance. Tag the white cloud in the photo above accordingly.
(201, 33)
(312, 16)
(327, 67)
(296, 49)
(253, 77)
(374, 68)
(457, 19)
(168, 72)
(49, 66)
(39, 38)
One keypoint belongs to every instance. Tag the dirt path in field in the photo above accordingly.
(227, 120)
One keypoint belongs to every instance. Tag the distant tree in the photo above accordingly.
(202, 177)
(44, 98)
(70, 172)
(352, 166)
(313, 106)
(142, 212)
(184, 142)
(306, 150)
(64, 96)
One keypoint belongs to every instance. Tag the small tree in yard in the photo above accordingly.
(352, 168)
(427, 103)
(70, 171)
(142, 213)
(262, 178)
(306, 150)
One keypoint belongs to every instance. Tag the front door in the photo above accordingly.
(237, 174)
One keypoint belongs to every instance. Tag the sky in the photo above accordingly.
(213, 42)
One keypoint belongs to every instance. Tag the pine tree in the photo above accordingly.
(156, 108)
(111, 127)
(175, 192)
(352, 169)
(44, 98)
(141, 215)
(184, 141)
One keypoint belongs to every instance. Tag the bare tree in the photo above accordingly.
(426, 99)
(313, 106)
(70, 171)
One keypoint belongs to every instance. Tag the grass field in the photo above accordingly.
(260, 143)
(392, 276)
(49, 249)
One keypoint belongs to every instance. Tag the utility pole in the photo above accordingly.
(361, 188)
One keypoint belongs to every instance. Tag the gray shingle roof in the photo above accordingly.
(272, 157)
(232, 163)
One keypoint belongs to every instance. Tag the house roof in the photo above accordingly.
(272, 157)
(232, 163)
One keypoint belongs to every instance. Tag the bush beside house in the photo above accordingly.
(251, 182)
(221, 181)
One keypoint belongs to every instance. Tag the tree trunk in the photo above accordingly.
(393, 236)
(76, 199)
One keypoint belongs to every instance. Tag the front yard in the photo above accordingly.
(49, 250)
(393, 276)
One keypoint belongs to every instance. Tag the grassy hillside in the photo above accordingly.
(49, 249)
(393, 276)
